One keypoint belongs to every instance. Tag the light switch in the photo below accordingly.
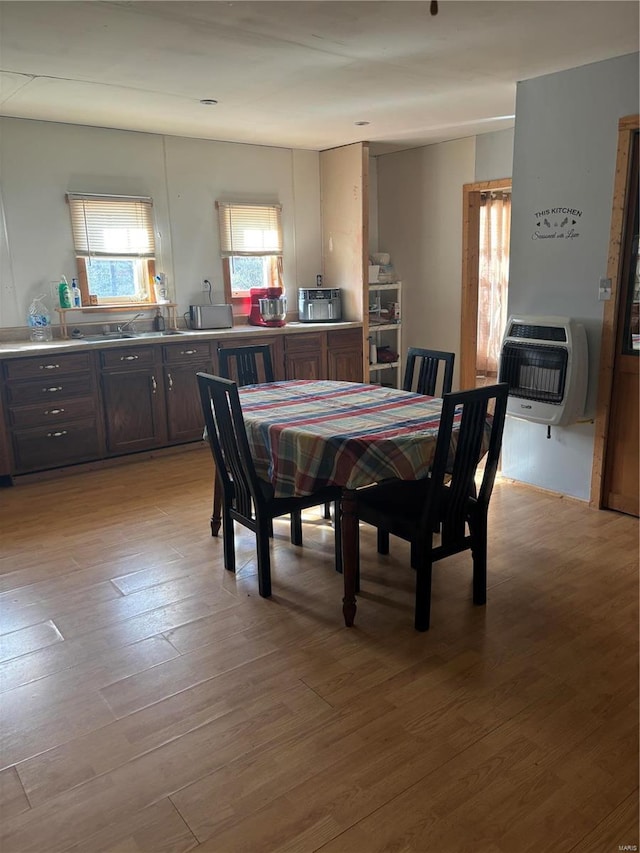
(604, 289)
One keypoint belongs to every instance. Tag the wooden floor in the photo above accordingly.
(153, 702)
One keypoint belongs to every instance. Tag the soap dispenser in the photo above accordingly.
(158, 322)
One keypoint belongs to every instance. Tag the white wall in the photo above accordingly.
(564, 156)
(41, 161)
(494, 155)
(420, 225)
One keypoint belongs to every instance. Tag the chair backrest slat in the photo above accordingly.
(242, 364)
(429, 362)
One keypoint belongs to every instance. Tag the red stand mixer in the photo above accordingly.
(268, 306)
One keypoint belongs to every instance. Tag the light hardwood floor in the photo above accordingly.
(153, 702)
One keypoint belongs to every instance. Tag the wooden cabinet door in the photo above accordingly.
(181, 363)
(184, 411)
(134, 409)
(305, 356)
(344, 355)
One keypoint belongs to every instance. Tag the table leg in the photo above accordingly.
(349, 554)
(216, 512)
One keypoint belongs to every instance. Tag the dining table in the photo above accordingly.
(307, 434)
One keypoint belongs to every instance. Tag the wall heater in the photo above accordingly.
(545, 362)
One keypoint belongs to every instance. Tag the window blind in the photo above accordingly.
(250, 229)
(112, 226)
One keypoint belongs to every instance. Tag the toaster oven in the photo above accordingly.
(319, 304)
(210, 316)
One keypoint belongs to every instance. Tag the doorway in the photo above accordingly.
(615, 477)
(485, 262)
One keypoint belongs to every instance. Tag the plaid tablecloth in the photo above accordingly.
(304, 435)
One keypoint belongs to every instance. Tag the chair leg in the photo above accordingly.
(479, 555)
(327, 510)
(228, 545)
(383, 541)
(423, 595)
(216, 515)
(264, 562)
(337, 529)
(296, 528)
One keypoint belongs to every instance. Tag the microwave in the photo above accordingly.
(319, 304)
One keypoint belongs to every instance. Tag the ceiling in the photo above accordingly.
(296, 74)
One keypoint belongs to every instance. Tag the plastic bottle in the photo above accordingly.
(373, 352)
(76, 295)
(64, 294)
(39, 321)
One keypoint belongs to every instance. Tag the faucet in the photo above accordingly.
(128, 325)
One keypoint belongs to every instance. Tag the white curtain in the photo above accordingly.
(493, 277)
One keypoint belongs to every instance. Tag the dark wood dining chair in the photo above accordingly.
(448, 498)
(428, 362)
(247, 498)
(247, 365)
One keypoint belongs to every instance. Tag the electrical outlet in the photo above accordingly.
(206, 285)
(604, 289)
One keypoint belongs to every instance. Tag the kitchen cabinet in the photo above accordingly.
(52, 412)
(66, 408)
(385, 330)
(344, 355)
(305, 356)
(180, 364)
(133, 397)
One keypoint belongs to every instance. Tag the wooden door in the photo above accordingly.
(622, 453)
(615, 481)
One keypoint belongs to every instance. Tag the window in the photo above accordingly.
(115, 246)
(251, 247)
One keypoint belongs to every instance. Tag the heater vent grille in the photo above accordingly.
(538, 333)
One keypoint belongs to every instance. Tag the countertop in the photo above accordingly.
(26, 347)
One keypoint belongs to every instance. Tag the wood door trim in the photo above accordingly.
(470, 255)
(626, 129)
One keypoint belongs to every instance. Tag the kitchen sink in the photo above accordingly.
(156, 334)
(120, 336)
(110, 336)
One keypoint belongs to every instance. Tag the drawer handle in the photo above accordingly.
(154, 384)
(53, 388)
(54, 411)
(129, 357)
(188, 351)
(170, 378)
(56, 434)
(49, 367)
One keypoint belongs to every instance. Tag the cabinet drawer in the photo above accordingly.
(62, 444)
(345, 339)
(52, 413)
(50, 388)
(47, 365)
(127, 357)
(304, 342)
(175, 353)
